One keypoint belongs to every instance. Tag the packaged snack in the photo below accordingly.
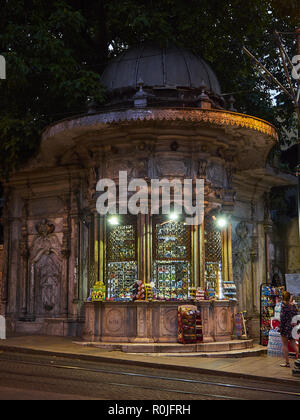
(138, 291)
(98, 292)
(189, 324)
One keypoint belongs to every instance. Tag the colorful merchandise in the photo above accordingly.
(240, 325)
(275, 343)
(270, 298)
(171, 261)
(200, 294)
(213, 272)
(189, 325)
(192, 293)
(121, 268)
(277, 310)
(98, 292)
(229, 290)
(211, 293)
(149, 294)
(138, 291)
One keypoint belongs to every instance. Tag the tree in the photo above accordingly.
(56, 50)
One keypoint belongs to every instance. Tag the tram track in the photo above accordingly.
(153, 378)
(116, 384)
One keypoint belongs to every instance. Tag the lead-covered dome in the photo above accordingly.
(169, 74)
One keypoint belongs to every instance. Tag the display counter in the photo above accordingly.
(154, 322)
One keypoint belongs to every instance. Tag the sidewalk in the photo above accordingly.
(255, 367)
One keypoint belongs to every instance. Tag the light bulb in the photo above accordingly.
(221, 222)
(173, 216)
(113, 220)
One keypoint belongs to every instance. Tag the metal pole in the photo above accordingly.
(296, 370)
(298, 167)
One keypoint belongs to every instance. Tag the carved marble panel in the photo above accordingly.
(135, 168)
(45, 206)
(47, 276)
(172, 168)
(45, 271)
(114, 321)
(215, 173)
(241, 248)
(168, 321)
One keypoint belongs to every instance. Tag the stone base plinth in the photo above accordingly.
(220, 347)
(62, 327)
(153, 322)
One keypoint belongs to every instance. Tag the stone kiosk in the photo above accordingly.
(164, 117)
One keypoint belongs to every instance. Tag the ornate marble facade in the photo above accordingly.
(54, 239)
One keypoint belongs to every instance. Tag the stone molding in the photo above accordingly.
(206, 116)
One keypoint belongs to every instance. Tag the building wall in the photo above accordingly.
(293, 247)
(1, 274)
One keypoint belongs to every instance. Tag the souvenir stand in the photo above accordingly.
(269, 297)
(146, 279)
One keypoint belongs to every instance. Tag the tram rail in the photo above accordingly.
(124, 374)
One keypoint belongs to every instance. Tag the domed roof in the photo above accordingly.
(171, 67)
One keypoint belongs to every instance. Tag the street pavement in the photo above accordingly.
(260, 367)
(44, 377)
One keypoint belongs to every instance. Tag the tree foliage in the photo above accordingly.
(56, 50)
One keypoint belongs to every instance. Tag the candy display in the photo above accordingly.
(211, 293)
(269, 298)
(193, 293)
(229, 290)
(172, 241)
(120, 278)
(121, 243)
(98, 292)
(138, 291)
(200, 294)
(213, 258)
(189, 325)
(213, 272)
(171, 267)
(172, 279)
(121, 269)
(149, 292)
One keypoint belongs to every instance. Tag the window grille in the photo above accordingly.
(213, 257)
(121, 259)
(171, 259)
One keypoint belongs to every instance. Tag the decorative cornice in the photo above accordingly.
(205, 116)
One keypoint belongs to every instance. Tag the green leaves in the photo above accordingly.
(56, 51)
(46, 76)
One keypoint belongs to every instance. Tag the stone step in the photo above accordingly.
(250, 352)
(174, 348)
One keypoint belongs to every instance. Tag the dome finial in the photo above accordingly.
(140, 83)
(203, 100)
(203, 86)
(140, 97)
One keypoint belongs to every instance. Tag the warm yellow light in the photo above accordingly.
(221, 222)
(173, 216)
(113, 220)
